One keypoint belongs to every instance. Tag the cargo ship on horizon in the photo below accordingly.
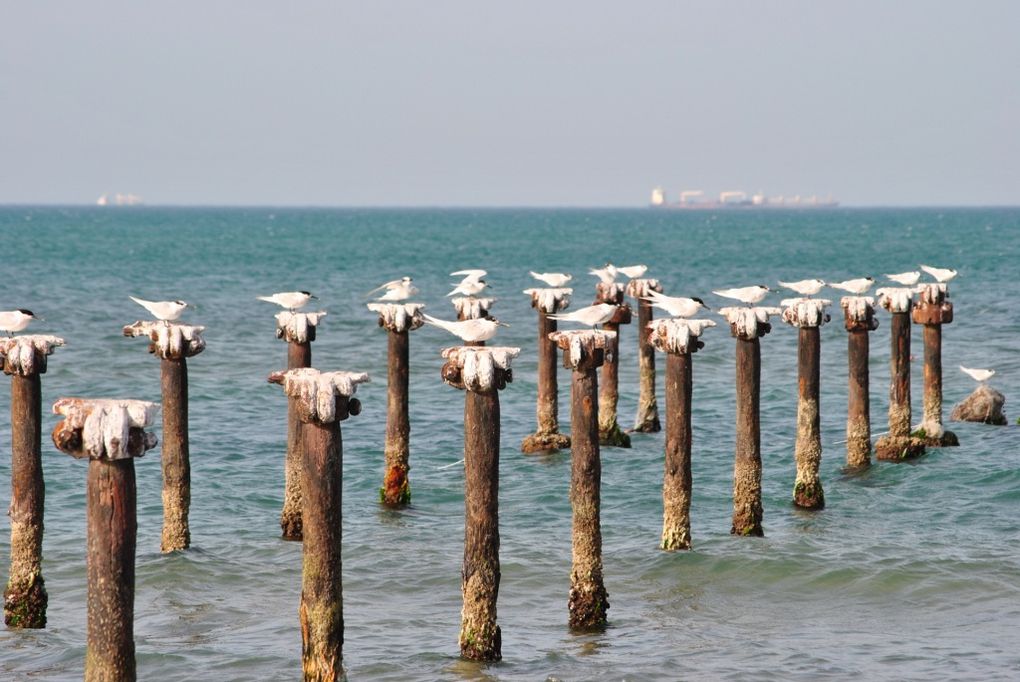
(730, 199)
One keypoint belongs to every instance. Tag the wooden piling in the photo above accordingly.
(899, 444)
(399, 319)
(859, 321)
(298, 330)
(678, 339)
(323, 400)
(747, 325)
(647, 419)
(588, 600)
(24, 360)
(610, 432)
(932, 311)
(173, 343)
(110, 433)
(481, 373)
(547, 436)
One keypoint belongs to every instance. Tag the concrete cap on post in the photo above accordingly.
(805, 312)
(550, 300)
(104, 428)
(472, 308)
(399, 317)
(478, 369)
(317, 392)
(639, 288)
(583, 348)
(933, 306)
(26, 355)
(677, 336)
(295, 327)
(859, 313)
(896, 299)
(169, 340)
(749, 324)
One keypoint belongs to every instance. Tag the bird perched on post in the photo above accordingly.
(291, 300)
(553, 279)
(907, 279)
(15, 320)
(749, 295)
(471, 285)
(593, 315)
(469, 331)
(856, 287)
(676, 306)
(396, 290)
(632, 271)
(805, 287)
(941, 275)
(162, 310)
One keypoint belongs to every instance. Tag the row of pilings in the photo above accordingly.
(111, 433)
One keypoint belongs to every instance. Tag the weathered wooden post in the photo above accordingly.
(321, 400)
(173, 343)
(933, 310)
(481, 373)
(808, 315)
(647, 419)
(110, 433)
(298, 330)
(747, 325)
(583, 352)
(859, 321)
(898, 444)
(677, 338)
(547, 436)
(399, 319)
(609, 392)
(23, 358)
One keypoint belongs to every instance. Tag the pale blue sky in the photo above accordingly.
(461, 102)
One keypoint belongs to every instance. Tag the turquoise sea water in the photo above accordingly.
(911, 572)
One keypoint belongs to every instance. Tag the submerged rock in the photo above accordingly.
(983, 405)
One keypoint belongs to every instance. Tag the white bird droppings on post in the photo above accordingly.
(478, 364)
(399, 317)
(550, 300)
(317, 391)
(20, 354)
(857, 308)
(932, 293)
(293, 327)
(581, 343)
(896, 299)
(105, 424)
(472, 308)
(641, 288)
(675, 335)
(169, 340)
(745, 322)
(805, 312)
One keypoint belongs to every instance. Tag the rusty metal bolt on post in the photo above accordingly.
(808, 315)
(110, 433)
(322, 400)
(24, 358)
(173, 343)
(399, 320)
(859, 321)
(747, 326)
(898, 444)
(583, 352)
(547, 437)
(481, 373)
(677, 338)
(647, 419)
(610, 432)
(933, 310)
(298, 330)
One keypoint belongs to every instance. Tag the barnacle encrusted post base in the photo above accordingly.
(322, 400)
(747, 326)
(547, 301)
(808, 315)
(859, 321)
(647, 418)
(481, 373)
(588, 601)
(610, 432)
(399, 319)
(898, 448)
(932, 311)
(678, 339)
(110, 433)
(298, 330)
(173, 343)
(23, 358)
